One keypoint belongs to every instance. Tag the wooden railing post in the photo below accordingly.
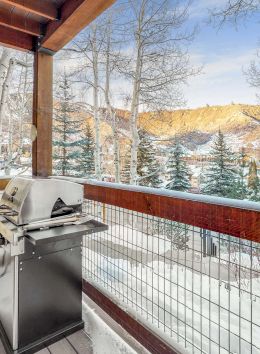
(42, 114)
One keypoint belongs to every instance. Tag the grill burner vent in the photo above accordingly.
(60, 209)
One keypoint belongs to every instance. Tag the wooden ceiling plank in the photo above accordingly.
(75, 16)
(20, 23)
(16, 39)
(38, 7)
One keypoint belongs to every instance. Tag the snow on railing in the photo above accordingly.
(196, 288)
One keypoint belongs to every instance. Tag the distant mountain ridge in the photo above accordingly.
(196, 128)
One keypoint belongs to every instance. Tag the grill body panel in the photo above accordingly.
(41, 231)
(54, 302)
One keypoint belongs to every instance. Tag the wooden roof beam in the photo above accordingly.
(75, 15)
(21, 23)
(16, 39)
(40, 8)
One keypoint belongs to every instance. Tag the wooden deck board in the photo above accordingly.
(77, 343)
(43, 351)
(62, 347)
(81, 342)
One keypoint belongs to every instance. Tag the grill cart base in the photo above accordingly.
(42, 343)
(41, 289)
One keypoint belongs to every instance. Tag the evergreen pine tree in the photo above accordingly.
(147, 165)
(253, 182)
(221, 175)
(240, 187)
(177, 171)
(86, 158)
(66, 130)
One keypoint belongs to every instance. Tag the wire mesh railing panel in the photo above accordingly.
(192, 286)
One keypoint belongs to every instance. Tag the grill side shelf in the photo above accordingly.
(58, 233)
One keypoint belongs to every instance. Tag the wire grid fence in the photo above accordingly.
(191, 286)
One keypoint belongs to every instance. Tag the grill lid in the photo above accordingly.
(27, 199)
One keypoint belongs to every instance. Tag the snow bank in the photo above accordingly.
(136, 240)
(186, 306)
(104, 339)
(243, 260)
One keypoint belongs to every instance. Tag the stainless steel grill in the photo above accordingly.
(41, 229)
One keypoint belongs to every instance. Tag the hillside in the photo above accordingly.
(197, 127)
(241, 123)
(231, 118)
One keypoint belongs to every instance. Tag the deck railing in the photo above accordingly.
(180, 272)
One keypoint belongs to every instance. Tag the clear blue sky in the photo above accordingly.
(223, 53)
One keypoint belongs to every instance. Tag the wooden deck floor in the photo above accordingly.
(78, 343)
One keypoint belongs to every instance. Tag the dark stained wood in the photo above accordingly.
(143, 335)
(224, 219)
(16, 39)
(30, 18)
(75, 16)
(42, 114)
(38, 7)
(18, 22)
(81, 342)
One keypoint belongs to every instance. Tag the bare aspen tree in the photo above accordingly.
(159, 65)
(4, 64)
(253, 74)
(3, 101)
(19, 111)
(111, 61)
(88, 49)
(235, 10)
(5, 74)
(96, 114)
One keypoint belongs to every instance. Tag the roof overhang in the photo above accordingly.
(46, 25)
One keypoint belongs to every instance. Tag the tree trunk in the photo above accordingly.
(136, 99)
(96, 114)
(5, 90)
(10, 147)
(4, 64)
(110, 110)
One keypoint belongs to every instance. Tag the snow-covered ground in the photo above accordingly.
(104, 339)
(27, 171)
(205, 311)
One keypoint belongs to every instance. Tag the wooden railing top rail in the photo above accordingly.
(228, 216)
(236, 203)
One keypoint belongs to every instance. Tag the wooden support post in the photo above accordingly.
(42, 114)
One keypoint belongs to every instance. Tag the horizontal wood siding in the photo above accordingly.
(232, 221)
